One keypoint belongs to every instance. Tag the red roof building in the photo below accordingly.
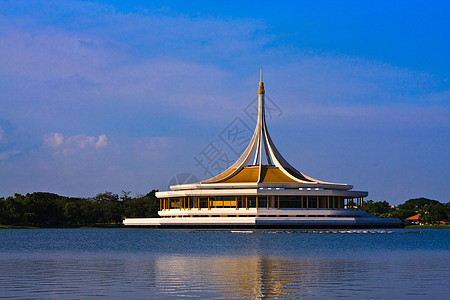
(414, 219)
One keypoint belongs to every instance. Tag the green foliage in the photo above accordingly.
(379, 209)
(402, 214)
(50, 210)
(142, 206)
(435, 213)
(431, 211)
(417, 204)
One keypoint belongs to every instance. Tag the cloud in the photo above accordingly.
(102, 141)
(348, 92)
(137, 164)
(8, 154)
(70, 144)
(163, 84)
(329, 79)
(169, 62)
(141, 57)
(2, 135)
(54, 140)
(357, 116)
(6, 130)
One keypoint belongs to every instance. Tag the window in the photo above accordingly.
(290, 202)
(224, 202)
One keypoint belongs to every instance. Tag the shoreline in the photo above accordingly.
(123, 226)
(62, 226)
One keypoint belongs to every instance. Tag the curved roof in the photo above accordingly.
(268, 174)
(249, 168)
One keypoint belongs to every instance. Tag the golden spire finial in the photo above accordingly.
(261, 86)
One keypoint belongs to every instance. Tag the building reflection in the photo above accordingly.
(253, 277)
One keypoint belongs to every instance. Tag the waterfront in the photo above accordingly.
(148, 263)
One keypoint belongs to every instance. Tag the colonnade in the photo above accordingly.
(268, 202)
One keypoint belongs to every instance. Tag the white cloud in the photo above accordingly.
(102, 141)
(174, 69)
(74, 68)
(2, 135)
(81, 141)
(7, 154)
(54, 140)
(59, 67)
(66, 144)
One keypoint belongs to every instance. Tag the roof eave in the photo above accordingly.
(244, 185)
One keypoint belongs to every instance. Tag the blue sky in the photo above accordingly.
(123, 95)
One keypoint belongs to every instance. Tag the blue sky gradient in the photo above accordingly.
(122, 95)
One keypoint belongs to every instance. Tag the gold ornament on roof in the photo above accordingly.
(261, 86)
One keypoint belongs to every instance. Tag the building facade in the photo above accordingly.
(262, 190)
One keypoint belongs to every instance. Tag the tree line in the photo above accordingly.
(430, 211)
(51, 210)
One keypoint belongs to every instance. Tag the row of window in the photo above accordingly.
(266, 216)
(313, 202)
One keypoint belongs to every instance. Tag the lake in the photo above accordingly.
(165, 264)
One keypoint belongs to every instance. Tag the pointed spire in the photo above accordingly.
(261, 86)
(260, 142)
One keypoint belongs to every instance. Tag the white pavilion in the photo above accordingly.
(262, 190)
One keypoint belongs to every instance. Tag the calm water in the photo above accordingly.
(149, 263)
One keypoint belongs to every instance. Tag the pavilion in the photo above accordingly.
(262, 190)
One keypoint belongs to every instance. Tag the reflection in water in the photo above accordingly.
(238, 277)
(234, 277)
(158, 264)
(258, 277)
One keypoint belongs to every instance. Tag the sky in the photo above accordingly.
(118, 96)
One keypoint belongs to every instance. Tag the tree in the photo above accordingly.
(417, 204)
(379, 209)
(402, 214)
(125, 195)
(142, 206)
(108, 208)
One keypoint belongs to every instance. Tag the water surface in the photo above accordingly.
(149, 263)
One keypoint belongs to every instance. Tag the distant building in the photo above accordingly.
(416, 219)
(262, 190)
